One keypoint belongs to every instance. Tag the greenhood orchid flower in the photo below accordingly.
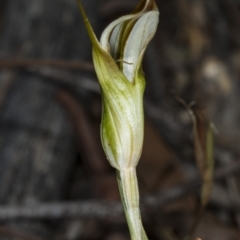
(117, 60)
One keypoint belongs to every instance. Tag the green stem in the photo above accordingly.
(128, 187)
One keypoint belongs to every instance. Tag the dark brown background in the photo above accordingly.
(50, 114)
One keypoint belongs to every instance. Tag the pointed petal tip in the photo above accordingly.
(88, 26)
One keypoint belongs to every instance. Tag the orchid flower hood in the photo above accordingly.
(117, 60)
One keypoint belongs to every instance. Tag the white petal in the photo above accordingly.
(115, 41)
(141, 34)
(104, 40)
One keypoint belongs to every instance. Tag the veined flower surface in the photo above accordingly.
(117, 59)
(127, 37)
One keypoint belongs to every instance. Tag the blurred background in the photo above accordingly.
(55, 181)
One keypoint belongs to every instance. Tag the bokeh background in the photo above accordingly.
(55, 182)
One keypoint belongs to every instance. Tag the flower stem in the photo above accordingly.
(128, 187)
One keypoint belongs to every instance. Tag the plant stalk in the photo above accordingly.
(128, 187)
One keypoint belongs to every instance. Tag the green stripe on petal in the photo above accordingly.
(123, 102)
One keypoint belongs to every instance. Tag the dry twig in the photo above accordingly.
(57, 63)
(105, 209)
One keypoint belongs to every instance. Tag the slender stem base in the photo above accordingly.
(128, 187)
